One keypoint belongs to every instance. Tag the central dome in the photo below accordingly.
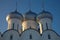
(30, 15)
(14, 14)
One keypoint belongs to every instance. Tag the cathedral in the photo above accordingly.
(30, 26)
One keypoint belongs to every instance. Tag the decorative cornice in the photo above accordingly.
(52, 31)
(30, 29)
(10, 30)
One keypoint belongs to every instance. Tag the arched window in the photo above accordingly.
(17, 26)
(39, 30)
(30, 36)
(13, 26)
(46, 25)
(11, 37)
(49, 37)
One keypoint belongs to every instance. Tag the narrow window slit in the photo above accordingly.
(49, 37)
(30, 36)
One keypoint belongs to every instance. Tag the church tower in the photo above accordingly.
(29, 19)
(44, 19)
(14, 20)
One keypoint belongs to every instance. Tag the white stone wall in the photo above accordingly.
(25, 35)
(17, 24)
(53, 35)
(44, 21)
(8, 34)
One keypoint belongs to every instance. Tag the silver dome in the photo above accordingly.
(14, 14)
(30, 15)
(45, 14)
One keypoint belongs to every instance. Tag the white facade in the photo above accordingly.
(29, 34)
(11, 35)
(50, 35)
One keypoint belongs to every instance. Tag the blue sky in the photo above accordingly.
(7, 6)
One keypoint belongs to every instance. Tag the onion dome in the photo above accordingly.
(14, 14)
(30, 15)
(45, 14)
